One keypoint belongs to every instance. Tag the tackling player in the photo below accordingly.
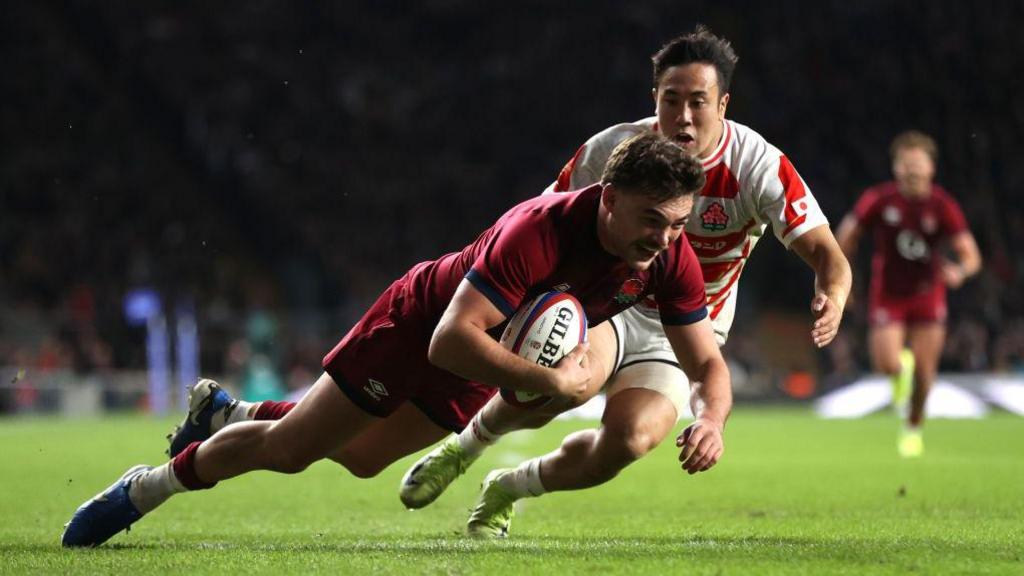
(911, 220)
(624, 232)
(750, 187)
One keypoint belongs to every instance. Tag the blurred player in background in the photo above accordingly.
(750, 187)
(912, 220)
(413, 367)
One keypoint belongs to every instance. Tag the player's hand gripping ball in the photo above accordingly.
(543, 330)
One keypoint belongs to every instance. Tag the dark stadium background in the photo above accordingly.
(272, 166)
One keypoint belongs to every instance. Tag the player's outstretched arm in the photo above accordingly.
(695, 347)
(968, 260)
(832, 279)
(848, 235)
(461, 345)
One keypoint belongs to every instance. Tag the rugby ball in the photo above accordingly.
(542, 331)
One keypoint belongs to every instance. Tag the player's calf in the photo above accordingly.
(581, 463)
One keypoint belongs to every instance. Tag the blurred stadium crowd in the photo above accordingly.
(273, 166)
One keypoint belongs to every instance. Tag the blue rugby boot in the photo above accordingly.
(205, 399)
(104, 515)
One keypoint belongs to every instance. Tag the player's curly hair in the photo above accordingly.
(701, 45)
(653, 165)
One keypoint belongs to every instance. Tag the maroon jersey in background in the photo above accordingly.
(908, 234)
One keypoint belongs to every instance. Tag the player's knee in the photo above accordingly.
(359, 465)
(628, 443)
(638, 443)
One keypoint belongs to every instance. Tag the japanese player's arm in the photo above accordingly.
(461, 345)
(820, 250)
(832, 280)
(784, 199)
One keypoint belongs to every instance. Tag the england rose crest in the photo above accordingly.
(629, 292)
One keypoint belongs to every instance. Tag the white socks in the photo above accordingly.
(524, 481)
(238, 411)
(150, 489)
(475, 437)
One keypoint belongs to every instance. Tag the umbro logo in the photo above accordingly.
(375, 389)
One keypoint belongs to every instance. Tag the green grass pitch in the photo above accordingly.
(793, 495)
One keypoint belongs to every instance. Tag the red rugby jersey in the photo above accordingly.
(550, 242)
(907, 232)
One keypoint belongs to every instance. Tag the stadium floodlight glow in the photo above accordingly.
(863, 397)
(856, 400)
(1007, 393)
(140, 305)
(143, 306)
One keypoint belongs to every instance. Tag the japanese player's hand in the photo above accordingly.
(571, 374)
(701, 445)
(827, 316)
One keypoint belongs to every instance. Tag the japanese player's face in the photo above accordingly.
(639, 227)
(690, 107)
(914, 170)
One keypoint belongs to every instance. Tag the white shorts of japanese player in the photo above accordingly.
(644, 359)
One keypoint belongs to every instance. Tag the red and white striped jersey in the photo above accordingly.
(750, 185)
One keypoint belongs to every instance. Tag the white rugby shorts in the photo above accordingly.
(644, 359)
